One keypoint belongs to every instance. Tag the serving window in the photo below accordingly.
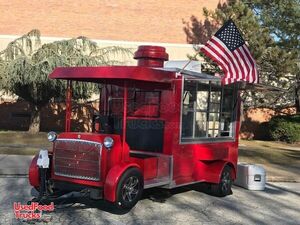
(208, 110)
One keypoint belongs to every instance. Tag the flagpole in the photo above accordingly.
(188, 63)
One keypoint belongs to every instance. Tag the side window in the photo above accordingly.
(201, 109)
(227, 117)
(144, 103)
(214, 110)
(207, 110)
(189, 99)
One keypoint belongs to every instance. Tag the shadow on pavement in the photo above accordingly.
(155, 194)
(276, 190)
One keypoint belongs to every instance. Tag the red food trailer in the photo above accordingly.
(157, 126)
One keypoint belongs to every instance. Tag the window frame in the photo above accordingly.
(207, 139)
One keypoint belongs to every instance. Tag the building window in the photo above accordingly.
(208, 110)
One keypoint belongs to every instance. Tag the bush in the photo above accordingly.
(285, 128)
(261, 133)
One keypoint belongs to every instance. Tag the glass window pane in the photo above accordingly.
(200, 124)
(143, 103)
(227, 100)
(228, 111)
(213, 133)
(202, 97)
(226, 126)
(214, 107)
(213, 116)
(189, 95)
(215, 96)
(187, 124)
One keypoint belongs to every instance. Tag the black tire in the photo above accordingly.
(223, 188)
(129, 189)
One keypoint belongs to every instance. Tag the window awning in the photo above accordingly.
(195, 74)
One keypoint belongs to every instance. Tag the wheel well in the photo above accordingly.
(233, 170)
(113, 177)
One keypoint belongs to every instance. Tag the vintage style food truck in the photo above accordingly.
(158, 125)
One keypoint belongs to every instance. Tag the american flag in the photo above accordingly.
(228, 49)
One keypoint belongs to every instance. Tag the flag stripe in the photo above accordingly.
(229, 54)
(251, 74)
(254, 72)
(220, 57)
(215, 48)
(247, 68)
(240, 64)
(248, 63)
(241, 61)
(216, 58)
(228, 49)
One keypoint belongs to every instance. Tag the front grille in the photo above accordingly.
(76, 158)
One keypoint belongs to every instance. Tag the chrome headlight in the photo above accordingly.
(51, 136)
(108, 142)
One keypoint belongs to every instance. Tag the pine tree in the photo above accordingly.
(25, 65)
(282, 17)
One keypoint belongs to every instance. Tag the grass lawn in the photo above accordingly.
(268, 152)
(281, 161)
(22, 143)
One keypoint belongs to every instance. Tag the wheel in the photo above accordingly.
(224, 187)
(129, 189)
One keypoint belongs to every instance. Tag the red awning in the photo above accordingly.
(137, 76)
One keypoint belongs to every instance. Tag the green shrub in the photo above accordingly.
(261, 134)
(285, 128)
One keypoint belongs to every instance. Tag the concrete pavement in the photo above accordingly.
(277, 205)
(14, 164)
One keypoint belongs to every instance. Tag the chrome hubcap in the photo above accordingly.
(130, 189)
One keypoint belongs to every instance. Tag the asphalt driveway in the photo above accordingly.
(278, 204)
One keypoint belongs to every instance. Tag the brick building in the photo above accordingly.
(108, 22)
(119, 20)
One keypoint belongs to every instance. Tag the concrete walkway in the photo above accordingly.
(14, 164)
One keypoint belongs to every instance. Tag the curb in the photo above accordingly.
(14, 171)
(13, 176)
(282, 179)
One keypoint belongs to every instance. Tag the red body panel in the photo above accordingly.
(137, 76)
(148, 166)
(33, 174)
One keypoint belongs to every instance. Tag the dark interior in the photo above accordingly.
(145, 135)
(141, 134)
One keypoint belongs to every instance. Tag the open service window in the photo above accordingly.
(208, 110)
